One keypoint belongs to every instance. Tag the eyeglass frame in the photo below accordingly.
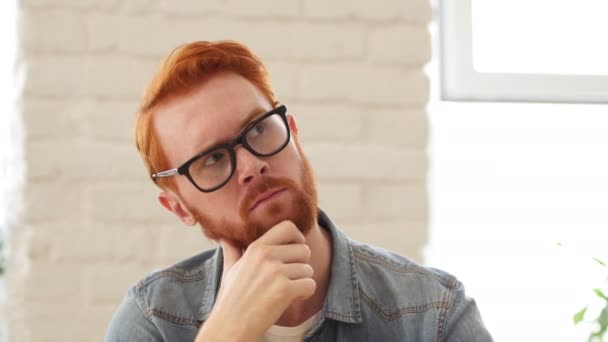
(184, 169)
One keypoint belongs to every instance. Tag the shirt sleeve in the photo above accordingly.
(464, 323)
(129, 323)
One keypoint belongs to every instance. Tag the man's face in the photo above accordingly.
(262, 192)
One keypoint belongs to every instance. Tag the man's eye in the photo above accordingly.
(213, 158)
(257, 130)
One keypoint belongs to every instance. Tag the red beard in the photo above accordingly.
(301, 210)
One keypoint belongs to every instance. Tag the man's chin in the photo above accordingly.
(269, 217)
(277, 213)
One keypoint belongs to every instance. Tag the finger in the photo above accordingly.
(299, 253)
(232, 254)
(302, 288)
(283, 233)
(298, 271)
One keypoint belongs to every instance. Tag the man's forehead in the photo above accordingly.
(210, 114)
(241, 119)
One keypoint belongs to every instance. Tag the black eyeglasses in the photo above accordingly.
(210, 170)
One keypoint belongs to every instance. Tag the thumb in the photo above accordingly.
(232, 254)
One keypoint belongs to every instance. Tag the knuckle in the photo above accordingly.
(260, 253)
(286, 225)
(291, 227)
(253, 247)
(265, 251)
(275, 270)
(306, 252)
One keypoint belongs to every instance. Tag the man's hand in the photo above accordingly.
(258, 285)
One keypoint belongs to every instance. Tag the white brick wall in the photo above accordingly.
(350, 70)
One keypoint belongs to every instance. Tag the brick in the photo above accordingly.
(284, 79)
(72, 4)
(118, 76)
(42, 237)
(418, 11)
(93, 242)
(54, 283)
(99, 29)
(405, 238)
(408, 202)
(58, 76)
(82, 160)
(327, 122)
(400, 127)
(284, 41)
(46, 202)
(341, 201)
(139, 6)
(292, 41)
(39, 245)
(260, 8)
(79, 118)
(52, 31)
(400, 44)
(57, 323)
(103, 76)
(177, 242)
(53, 118)
(125, 203)
(143, 35)
(111, 121)
(153, 35)
(366, 162)
(364, 84)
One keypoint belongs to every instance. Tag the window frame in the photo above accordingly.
(461, 82)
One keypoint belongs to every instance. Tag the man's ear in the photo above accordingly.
(292, 124)
(174, 204)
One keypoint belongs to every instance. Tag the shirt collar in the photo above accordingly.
(342, 302)
(213, 267)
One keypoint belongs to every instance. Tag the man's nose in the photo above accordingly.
(248, 166)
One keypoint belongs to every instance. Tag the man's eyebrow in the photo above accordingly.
(252, 116)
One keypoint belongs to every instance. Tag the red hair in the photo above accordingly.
(187, 67)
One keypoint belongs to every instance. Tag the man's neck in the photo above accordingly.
(320, 244)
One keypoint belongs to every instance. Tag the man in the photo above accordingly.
(226, 155)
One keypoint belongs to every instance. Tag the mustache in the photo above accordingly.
(261, 187)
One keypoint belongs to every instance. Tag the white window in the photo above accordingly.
(520, 50)
(508, 181)
(10, 143)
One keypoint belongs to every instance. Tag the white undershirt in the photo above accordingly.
(277, 333)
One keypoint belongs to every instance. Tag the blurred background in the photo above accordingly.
(468, 135)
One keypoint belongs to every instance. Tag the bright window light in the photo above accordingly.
(8, 120)
(562, 37)
(10, 149)
(509, 181)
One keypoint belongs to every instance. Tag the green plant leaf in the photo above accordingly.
(603, 322)
(578, 317)
(600, 294)
(600, 262)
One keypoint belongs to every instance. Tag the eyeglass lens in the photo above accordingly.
(213, 168)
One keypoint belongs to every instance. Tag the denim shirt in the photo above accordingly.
(373, 295)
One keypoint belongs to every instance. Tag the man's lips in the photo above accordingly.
(265, 196)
